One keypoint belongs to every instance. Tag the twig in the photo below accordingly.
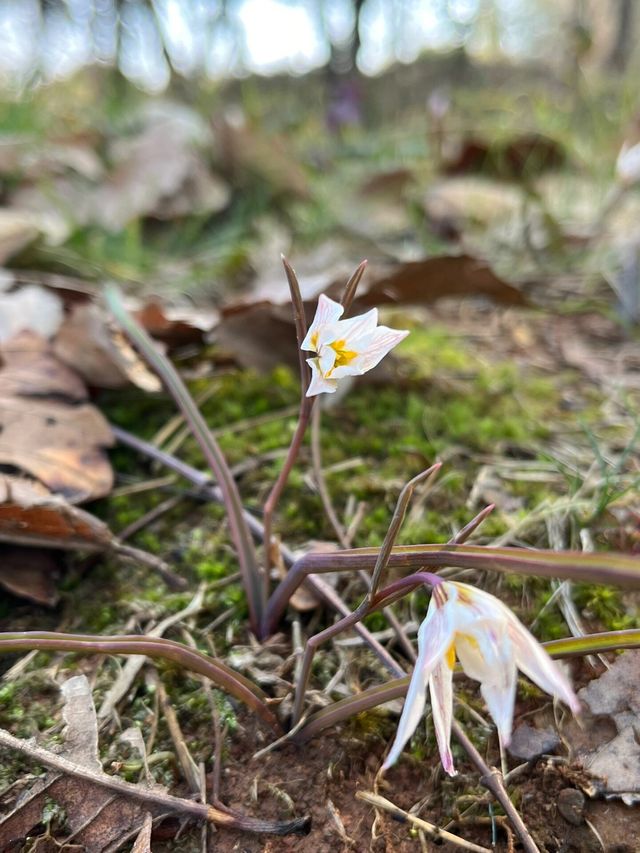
(492, 779)
(434, 832)
(166, 802)
(185, 760)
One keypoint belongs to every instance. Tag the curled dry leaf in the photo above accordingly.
(99, 353)
(97, 820)
(103, 811)
(30, 515)
(174, 328)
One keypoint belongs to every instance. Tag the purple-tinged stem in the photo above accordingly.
(365, 607)
(232, 682)
(606, 568)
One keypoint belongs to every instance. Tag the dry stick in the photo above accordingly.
(433, 831)
(325, 497)
(306, 403)
(215, 458)
(208, 490)
(492, 779)
(185, 759)
(355, 617)
(175, 805)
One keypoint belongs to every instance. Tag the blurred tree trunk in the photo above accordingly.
(621, 51)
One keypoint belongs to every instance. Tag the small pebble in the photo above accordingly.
(571, 805)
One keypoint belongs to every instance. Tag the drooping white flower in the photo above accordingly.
(344, 347)
(628, 164)
(491, 644)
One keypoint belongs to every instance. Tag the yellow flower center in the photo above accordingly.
(343, 356)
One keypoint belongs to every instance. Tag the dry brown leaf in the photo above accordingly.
(30, 515)
(523, 156)
(58, 443)
(97, 819)
(101, 355)
(29, 573)
(29, 369)
(426, 281)
(103, 811)
(174, 332)
(261, 335)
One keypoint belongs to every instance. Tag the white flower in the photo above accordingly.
(344, 347)
(491, 645)
(628, 164)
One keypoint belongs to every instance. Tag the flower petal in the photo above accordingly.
(383, 340)
(441, 691)
(327, 312)
(350, 330)
(318, 384)
(487, 655)
(434, 638)
(534, 661)
(326, 359)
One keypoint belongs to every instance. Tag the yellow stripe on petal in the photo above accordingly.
(450, 656)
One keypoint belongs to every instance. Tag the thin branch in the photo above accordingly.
(165, 802)
(435, 832)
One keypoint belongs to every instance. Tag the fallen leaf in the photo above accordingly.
(424, 282)
(29, 369)
(523, 156)
(30, 515)
(30, 573)
(607, 746)
(100, 354)
(58, 443)
(102, 811)
(174, 331)
(96, 820)
(261, 335)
